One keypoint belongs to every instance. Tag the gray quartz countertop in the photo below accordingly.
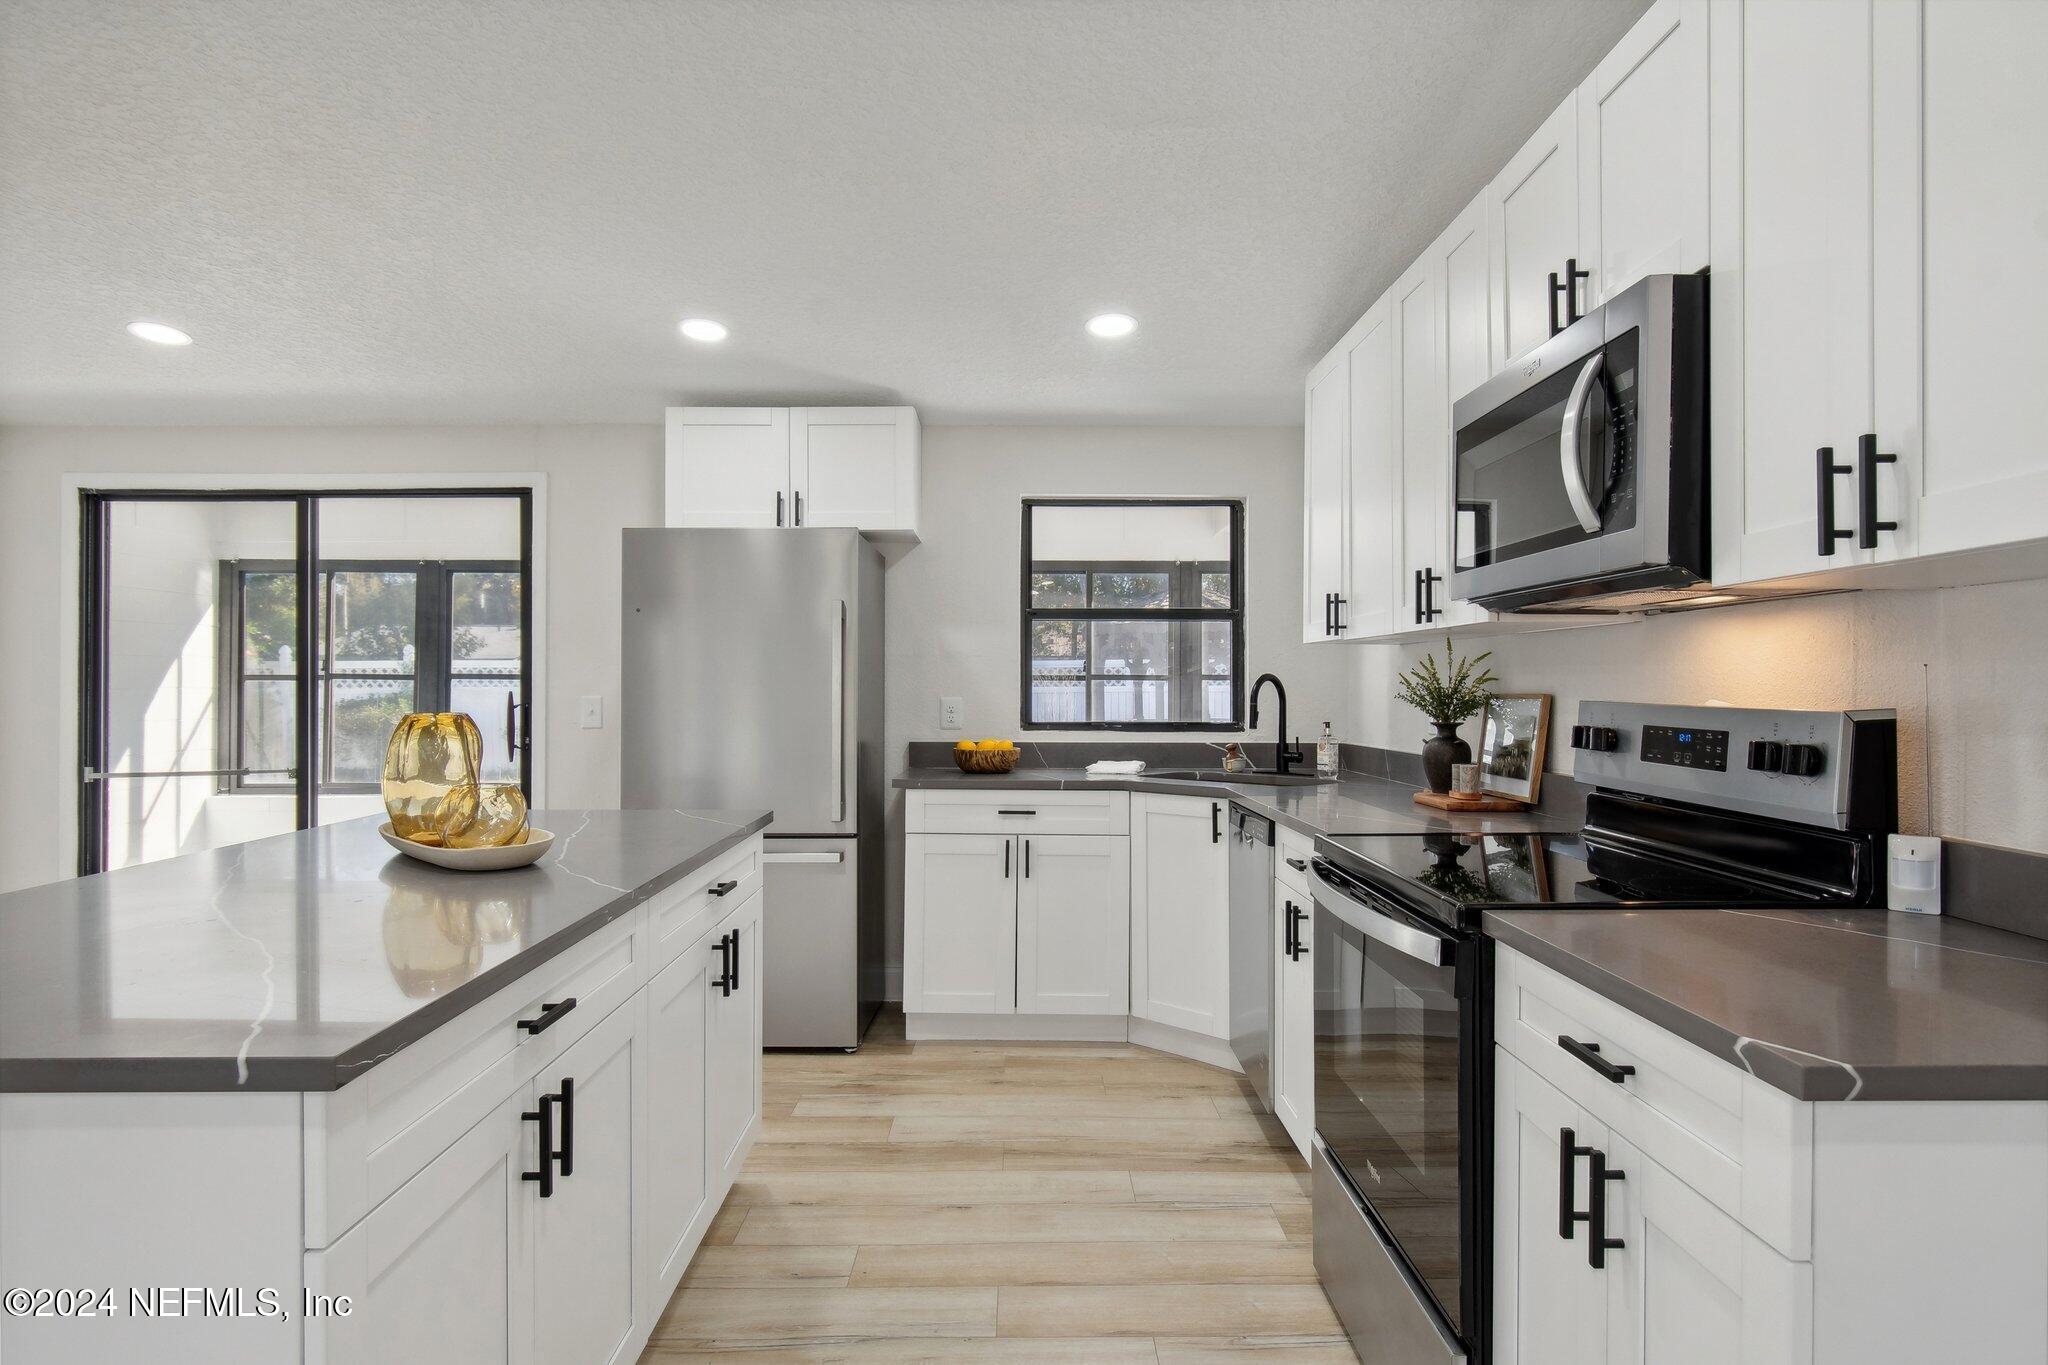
(1824, 1005)
(298, 962)
(1355, 804)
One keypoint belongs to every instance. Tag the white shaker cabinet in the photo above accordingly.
(1324, 533)
(732, 1101)
(1642, 129)
(1180, 912)
(1293, 1044)
(1549, 1303)
(678, 1020)
(1375, 603)
(794, 467)
(1960, 118)
(1073, 924)
(1532, 210)
(959, 924)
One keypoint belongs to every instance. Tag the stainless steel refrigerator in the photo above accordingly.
(753, 678)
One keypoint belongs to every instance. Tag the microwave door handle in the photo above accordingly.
(1571, 446)
(1376, 924)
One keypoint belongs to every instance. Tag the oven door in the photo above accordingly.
(1562, 465)
(1396, 1100)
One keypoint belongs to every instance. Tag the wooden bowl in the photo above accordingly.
(986, 760)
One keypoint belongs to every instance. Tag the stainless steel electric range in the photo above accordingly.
(1691, 806)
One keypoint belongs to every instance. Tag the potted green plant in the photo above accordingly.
(1449, 696)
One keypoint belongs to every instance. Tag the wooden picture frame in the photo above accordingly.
(1514, 738)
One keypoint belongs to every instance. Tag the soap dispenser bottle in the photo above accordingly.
(1326, 753)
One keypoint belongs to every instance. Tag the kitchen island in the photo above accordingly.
(303, 1098)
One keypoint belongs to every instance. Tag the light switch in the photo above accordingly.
(949, 713)
(591, 713)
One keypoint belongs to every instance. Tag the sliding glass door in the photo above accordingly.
(245, 655)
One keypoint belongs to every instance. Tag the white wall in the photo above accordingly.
(599, 479)
(1963, 667)
(954, 601)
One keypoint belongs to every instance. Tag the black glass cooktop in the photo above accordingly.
(1544, 869)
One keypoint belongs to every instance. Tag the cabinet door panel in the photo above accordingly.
(1643, 152)
(582, 1236)
(1322, 497)
(1533, 215)
(436, 1272)
(959, 924)
(1549, 1304)
(726, 466)
(1294, 1046)
(1073, 924)
(1425, 438)
(854, 467)
(1375, 604)
(1180, 913)
(1959, 242)
(733, 1104)
(678, 1004)
(1792, 296)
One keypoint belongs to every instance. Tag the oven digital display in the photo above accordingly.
(1686, 748)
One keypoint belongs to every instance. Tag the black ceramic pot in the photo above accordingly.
(1440, 752)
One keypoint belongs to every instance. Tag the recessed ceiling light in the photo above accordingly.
(159, 333)
(702, 329)
(1112, 325)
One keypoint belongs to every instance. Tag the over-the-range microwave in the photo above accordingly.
(1580, 472)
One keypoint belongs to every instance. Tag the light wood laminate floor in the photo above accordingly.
(1075, 1202)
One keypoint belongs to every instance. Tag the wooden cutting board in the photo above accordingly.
(1480, 805)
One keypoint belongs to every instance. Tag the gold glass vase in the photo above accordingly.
(496, 818)
(430, 775)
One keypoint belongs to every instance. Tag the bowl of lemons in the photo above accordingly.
(985, 755)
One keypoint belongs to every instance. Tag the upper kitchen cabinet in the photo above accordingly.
(1532, 210)
(1960, 261)
(1373, 477)
(793, 467)
(1642, 126)
(1440, 309)
(1322, 499)
(855, 467)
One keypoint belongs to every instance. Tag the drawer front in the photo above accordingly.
(1025, 812)
(1746, 1147)
(1299, 848)
(679, 916)
(368, 1138)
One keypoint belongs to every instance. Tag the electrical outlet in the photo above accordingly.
(949, 713)
(591, 713)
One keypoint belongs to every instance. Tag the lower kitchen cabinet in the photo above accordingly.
(1180, 913)
(581, 1220)
(732, 1099)
(1294, 1032)
(679, 1002)
(959, 924)
(1549, 1304)
(1073, 924)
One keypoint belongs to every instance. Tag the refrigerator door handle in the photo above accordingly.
(839, 713)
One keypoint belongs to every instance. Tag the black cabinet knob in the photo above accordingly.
(1766, 756)
(1805, 760)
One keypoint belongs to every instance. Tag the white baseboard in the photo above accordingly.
(1071, 1028)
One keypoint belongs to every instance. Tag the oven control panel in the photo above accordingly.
(1831, 768)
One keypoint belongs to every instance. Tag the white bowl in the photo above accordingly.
(473, 859)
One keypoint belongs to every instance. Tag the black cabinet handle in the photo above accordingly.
(549, 1016)
(1599, 1243)
(1298, 864)
(1556, 288)
(1430, 610)
(1016, 812)
(565, 1155)
(1418, 583)
(1337, 601)
(1287, 930)
(1824, 471)
(1328, 598)
(1027, 857)
(778, 507)
(724, 888)
(799, 506)
(1868, 458)
(1215, 822)
(1589, 1053)
(735, 969)
(1292, 944)
(724, 949)
(545, 1117)
(1006, 860)
(1572, 276)
(1568, 1153)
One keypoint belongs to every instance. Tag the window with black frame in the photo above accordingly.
(1133, 613)
(392, 637)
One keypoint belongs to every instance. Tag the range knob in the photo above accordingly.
(1766, 756)
(1805, 760)
(1599, 739)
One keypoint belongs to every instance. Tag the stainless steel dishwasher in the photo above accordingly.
(1251, 948)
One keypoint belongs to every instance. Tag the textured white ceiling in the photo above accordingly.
(450, 211)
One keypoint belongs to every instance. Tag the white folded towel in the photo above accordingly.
(1117, 767)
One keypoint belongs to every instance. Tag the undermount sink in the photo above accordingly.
(1252, 779)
